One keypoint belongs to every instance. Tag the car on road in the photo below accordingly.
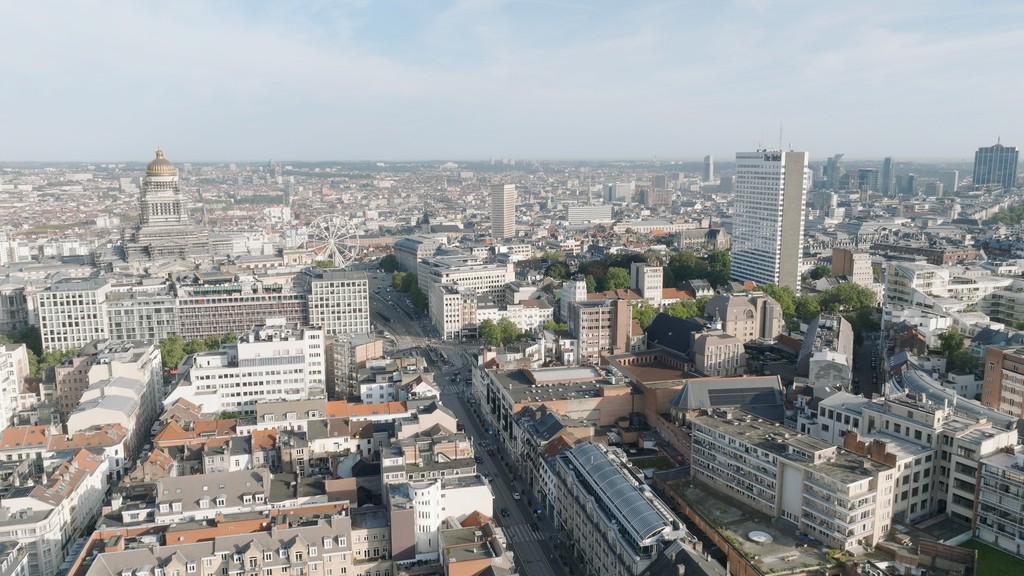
(488, 477)
(505, 513)
(516, 496)
(534, 527)
(479, 460)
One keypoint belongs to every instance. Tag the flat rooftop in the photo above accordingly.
(521, 389)
(843, 465)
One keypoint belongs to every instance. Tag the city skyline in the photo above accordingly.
(475, 80)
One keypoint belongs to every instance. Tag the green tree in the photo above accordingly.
(397, 279)
(591, 284)
(229, 415)
(719, 264)
(489, 332)
(51, 358)
(616, 278)
(807, 307)
(195, 345)
(211, 342)
(172, 350)
(963, 360)
(846, 297)
(417, 298)
(688, 308)
(784, 295)
(388, 263)
(688, 266)
(553, 256)
(863, 321)
(558, 271)
(324, 263)
(508, 331)
(644, 313)
(668, 278)
(950, 342)
(408, 281)
(555, 326)
(819, 272)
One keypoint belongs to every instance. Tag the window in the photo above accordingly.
(312, 550)
(190, 567)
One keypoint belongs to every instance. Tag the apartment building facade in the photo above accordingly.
(73, 312)
(832, 494)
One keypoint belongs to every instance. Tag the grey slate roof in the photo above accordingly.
(760, 395)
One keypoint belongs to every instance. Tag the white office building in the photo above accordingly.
(647, 280)
(768, 219)
(339, 301)
(73, 312)
(271, 363)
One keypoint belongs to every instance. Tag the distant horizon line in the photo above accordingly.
(729, 158)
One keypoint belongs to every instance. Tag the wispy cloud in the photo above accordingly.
(478, 78)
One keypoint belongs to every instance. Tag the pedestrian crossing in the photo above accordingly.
(453, 389)
(521, 533)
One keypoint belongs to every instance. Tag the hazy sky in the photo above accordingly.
(574, 79)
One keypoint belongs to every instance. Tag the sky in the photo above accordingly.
(111, 80)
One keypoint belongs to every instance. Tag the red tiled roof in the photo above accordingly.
(344, 408)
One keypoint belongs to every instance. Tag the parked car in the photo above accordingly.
(516, 496)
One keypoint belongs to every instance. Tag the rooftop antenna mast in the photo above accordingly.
(780, 135)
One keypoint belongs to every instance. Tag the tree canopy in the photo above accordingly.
(958, 357)
(644, 313)
(784, 295)
(846, 297)
(504, 331)
(616, 278)
(1011, 215)
(388, 263)
(558, 271)
(819, 272)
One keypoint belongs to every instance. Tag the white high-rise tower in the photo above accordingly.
(768, 223)
(503, 211)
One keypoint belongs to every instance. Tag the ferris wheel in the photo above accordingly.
(334, 238)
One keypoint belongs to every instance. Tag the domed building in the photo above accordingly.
(165, 230)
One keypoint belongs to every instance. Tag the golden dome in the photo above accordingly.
(161, 166)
